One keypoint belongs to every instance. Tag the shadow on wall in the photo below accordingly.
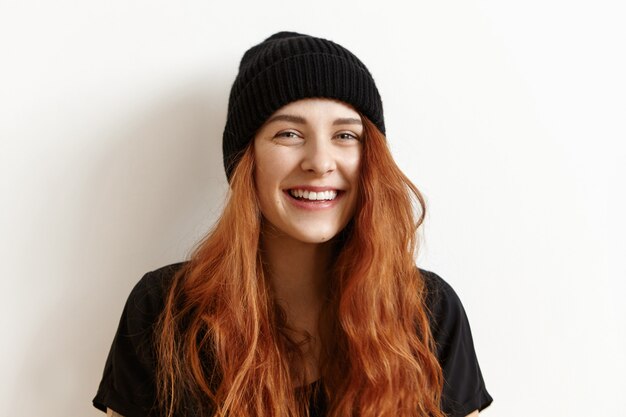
(148, 194)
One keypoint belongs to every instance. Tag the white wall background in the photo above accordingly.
(508, 115)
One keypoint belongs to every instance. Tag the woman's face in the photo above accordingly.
(307, 157)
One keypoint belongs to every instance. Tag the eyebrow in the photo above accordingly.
(348, 121)
(302, 120)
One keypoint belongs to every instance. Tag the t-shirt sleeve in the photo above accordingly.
(128, 381)
(464, 388)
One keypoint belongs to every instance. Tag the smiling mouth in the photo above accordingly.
(306, 195)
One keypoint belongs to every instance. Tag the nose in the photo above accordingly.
(318, 157)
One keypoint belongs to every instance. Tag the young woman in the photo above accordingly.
(304, 299)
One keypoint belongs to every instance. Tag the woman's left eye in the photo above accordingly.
(347, 136)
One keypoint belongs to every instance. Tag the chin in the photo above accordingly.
(319, 237)
(309, 238)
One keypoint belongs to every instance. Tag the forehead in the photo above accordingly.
(317, 108)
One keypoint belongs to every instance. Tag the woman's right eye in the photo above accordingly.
(287, 134)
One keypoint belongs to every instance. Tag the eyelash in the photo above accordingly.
(352, 136)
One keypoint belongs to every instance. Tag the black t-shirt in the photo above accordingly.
(128, 381)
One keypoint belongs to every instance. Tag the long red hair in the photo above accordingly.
(222, 345)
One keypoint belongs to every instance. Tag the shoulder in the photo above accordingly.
(158, 279)
(147, 298)
(441, 299)
(448, 320)
(149, 292)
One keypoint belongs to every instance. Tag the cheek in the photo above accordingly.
(352, 167)
(267, 182)
(271, 162)
(264, 174)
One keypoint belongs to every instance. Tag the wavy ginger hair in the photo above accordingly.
(222, 344)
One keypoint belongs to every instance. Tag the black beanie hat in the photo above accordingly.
(290, 66)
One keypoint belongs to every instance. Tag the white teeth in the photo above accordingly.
(314, 196)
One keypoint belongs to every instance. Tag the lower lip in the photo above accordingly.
(314, 204)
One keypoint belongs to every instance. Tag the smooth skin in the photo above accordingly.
(306, 144)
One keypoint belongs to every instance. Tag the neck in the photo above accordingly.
(298, 271)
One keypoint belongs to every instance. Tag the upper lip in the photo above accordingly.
(313, 188)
